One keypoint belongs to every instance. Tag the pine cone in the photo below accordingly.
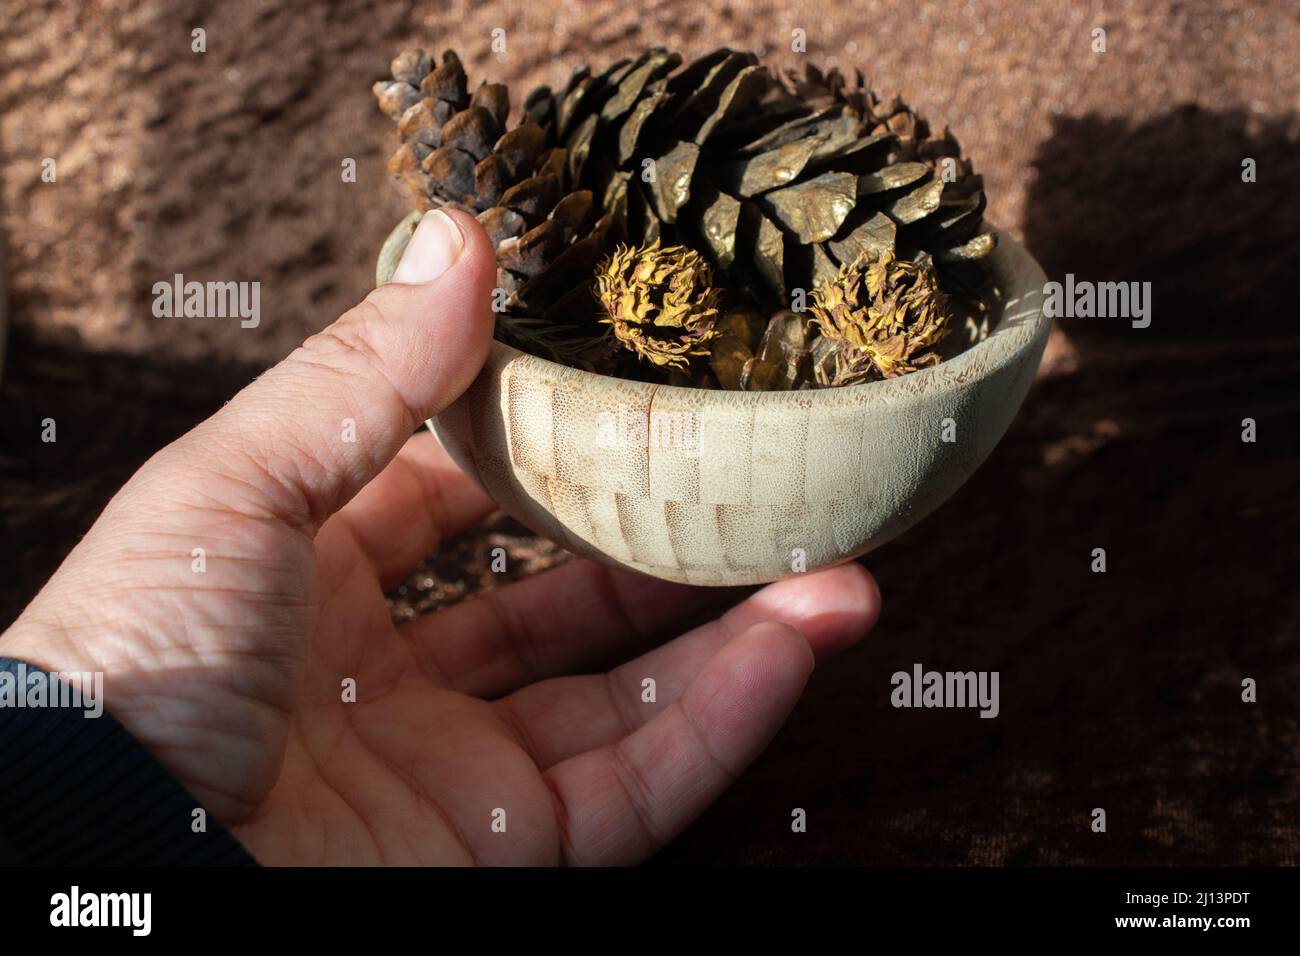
(776, 356)
(660, 301)
(879, 318)
(457, 152)
(779, 183)
(782, 183)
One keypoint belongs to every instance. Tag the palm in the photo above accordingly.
(388, 772)
(464, 746)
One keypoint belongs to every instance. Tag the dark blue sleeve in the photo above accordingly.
(80, 790)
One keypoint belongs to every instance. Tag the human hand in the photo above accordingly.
(233, 676)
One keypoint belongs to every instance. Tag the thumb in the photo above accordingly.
(312, 431)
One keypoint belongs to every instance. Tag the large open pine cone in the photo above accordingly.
(779, 181)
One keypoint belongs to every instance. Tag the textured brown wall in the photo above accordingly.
(1118, 690)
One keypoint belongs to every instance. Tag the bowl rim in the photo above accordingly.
(1020, 324)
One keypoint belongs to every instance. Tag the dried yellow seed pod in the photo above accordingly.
(660, 301)
(881, 316)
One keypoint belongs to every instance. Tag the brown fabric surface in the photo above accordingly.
(1119, 690)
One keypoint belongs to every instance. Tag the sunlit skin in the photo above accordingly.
(523, 705)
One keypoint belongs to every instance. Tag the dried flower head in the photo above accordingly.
(881, 315)
(660, 301)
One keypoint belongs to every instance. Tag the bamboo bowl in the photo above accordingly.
(731, 488)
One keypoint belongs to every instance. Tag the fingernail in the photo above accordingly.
(434, 246)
